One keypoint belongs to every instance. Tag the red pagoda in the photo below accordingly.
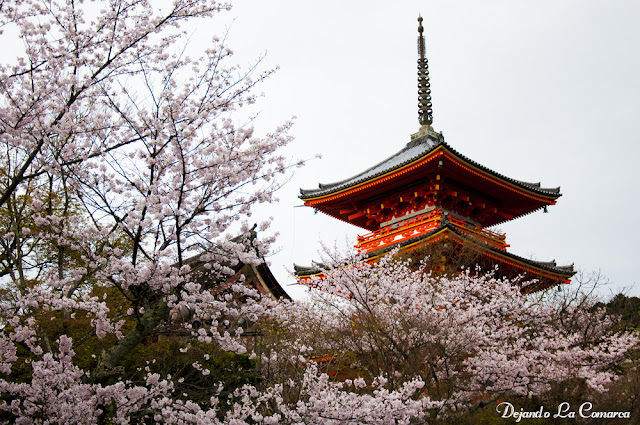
(429, 195)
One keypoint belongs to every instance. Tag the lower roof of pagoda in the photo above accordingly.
(537, 275)
(428, 167)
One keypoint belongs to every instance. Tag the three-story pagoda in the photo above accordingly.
(429, 197)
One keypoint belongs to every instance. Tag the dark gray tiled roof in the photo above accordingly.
(217, 258)
(314, 268)
(408, 154)
(413, 151)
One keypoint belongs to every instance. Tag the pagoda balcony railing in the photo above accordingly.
(419, 225)
(399, 232)
(494, 239)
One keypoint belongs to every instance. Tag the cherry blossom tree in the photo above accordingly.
(467, 338)
(121, 161)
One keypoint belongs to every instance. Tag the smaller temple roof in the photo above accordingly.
(540, 270)
(314, 268)
(413, 151)
(205, 270)
(550, 266)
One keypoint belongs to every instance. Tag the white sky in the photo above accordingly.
(543, 90)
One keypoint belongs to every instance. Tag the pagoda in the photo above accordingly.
(430, 199)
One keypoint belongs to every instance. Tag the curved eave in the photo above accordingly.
(548, 270)
(306, 276)
(533, 188)
(269, 282)
(523, 198)
(354, 184)
(497, 223)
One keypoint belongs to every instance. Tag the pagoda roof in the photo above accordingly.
(415, 150)
(547, 273)
(206, 265)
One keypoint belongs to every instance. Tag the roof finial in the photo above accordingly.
(425, 111)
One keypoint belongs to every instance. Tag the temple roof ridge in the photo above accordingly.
(412, 151)
(538, 186)
(417, 148)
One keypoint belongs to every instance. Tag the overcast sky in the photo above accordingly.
(543, 90)
(538, 90)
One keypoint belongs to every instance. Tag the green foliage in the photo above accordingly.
(628, 310)
(184, 363)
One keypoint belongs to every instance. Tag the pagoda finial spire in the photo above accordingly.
(425, 110)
